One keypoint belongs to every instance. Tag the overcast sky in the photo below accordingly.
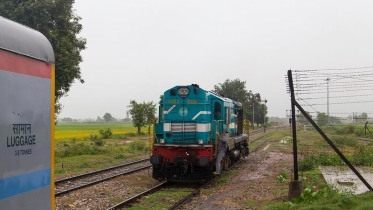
(137, 49)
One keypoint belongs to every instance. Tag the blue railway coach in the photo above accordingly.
(185, 144)
(26, 118)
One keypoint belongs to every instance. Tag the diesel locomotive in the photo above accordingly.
(185, 143)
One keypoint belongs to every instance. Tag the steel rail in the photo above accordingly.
(132, 199)
(197, 191)
(98, 171)
(101, 180)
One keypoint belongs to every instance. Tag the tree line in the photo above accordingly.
(143, 114)
(322, 119)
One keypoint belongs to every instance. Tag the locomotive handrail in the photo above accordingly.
(216, 130)
(216, 139)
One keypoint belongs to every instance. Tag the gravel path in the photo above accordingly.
(108, 193)
(254, 186)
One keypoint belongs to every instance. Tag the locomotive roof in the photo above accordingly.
(23, 40)
(207, 92)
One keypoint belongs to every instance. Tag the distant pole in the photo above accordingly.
(264, 115)
(253, 116)
(327, 96)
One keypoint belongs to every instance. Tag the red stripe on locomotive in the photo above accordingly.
(170, 152)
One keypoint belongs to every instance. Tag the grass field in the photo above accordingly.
(77, 152)
(83, 131)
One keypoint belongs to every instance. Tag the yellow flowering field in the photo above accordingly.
(83, 131)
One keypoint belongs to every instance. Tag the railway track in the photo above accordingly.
(70, 184)
(64, 186)
(178, 204)
(366, 140)
(259, 131)
(197, 191)
(186, 198)
(127, 202)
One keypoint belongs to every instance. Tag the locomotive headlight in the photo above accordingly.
(200, 141)
(156, 160)
(183, 92)
(203, 161)
(162, 141)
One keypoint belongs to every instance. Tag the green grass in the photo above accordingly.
(77, 152)
(326, 199)
(84, 156)
(315, 151)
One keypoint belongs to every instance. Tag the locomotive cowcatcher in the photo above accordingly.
(185, 144)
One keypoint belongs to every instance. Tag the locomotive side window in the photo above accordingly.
(173, 92)
(217, 111)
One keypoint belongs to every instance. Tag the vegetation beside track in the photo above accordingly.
(271, 192)
(81, 148)
(314, 151)
(79, 155)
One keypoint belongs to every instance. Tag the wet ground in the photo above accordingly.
(344, 178)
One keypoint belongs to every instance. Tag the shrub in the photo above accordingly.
(105, 133)
(363, 156)
(137, 146)
(131, 134)
(309, 162)
(344, 140)
(96, 140)
(80, 149)
(93, 137)
(99, 142)
(350, 129)
(282, 177)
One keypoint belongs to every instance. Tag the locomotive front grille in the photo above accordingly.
(184, 132)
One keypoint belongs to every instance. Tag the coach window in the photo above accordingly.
(217, 111)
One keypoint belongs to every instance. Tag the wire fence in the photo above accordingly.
(334, 96)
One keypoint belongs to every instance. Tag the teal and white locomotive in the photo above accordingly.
(185, 141)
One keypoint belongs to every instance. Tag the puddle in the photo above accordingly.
(344, 179)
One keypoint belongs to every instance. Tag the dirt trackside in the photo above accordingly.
(254, 186)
